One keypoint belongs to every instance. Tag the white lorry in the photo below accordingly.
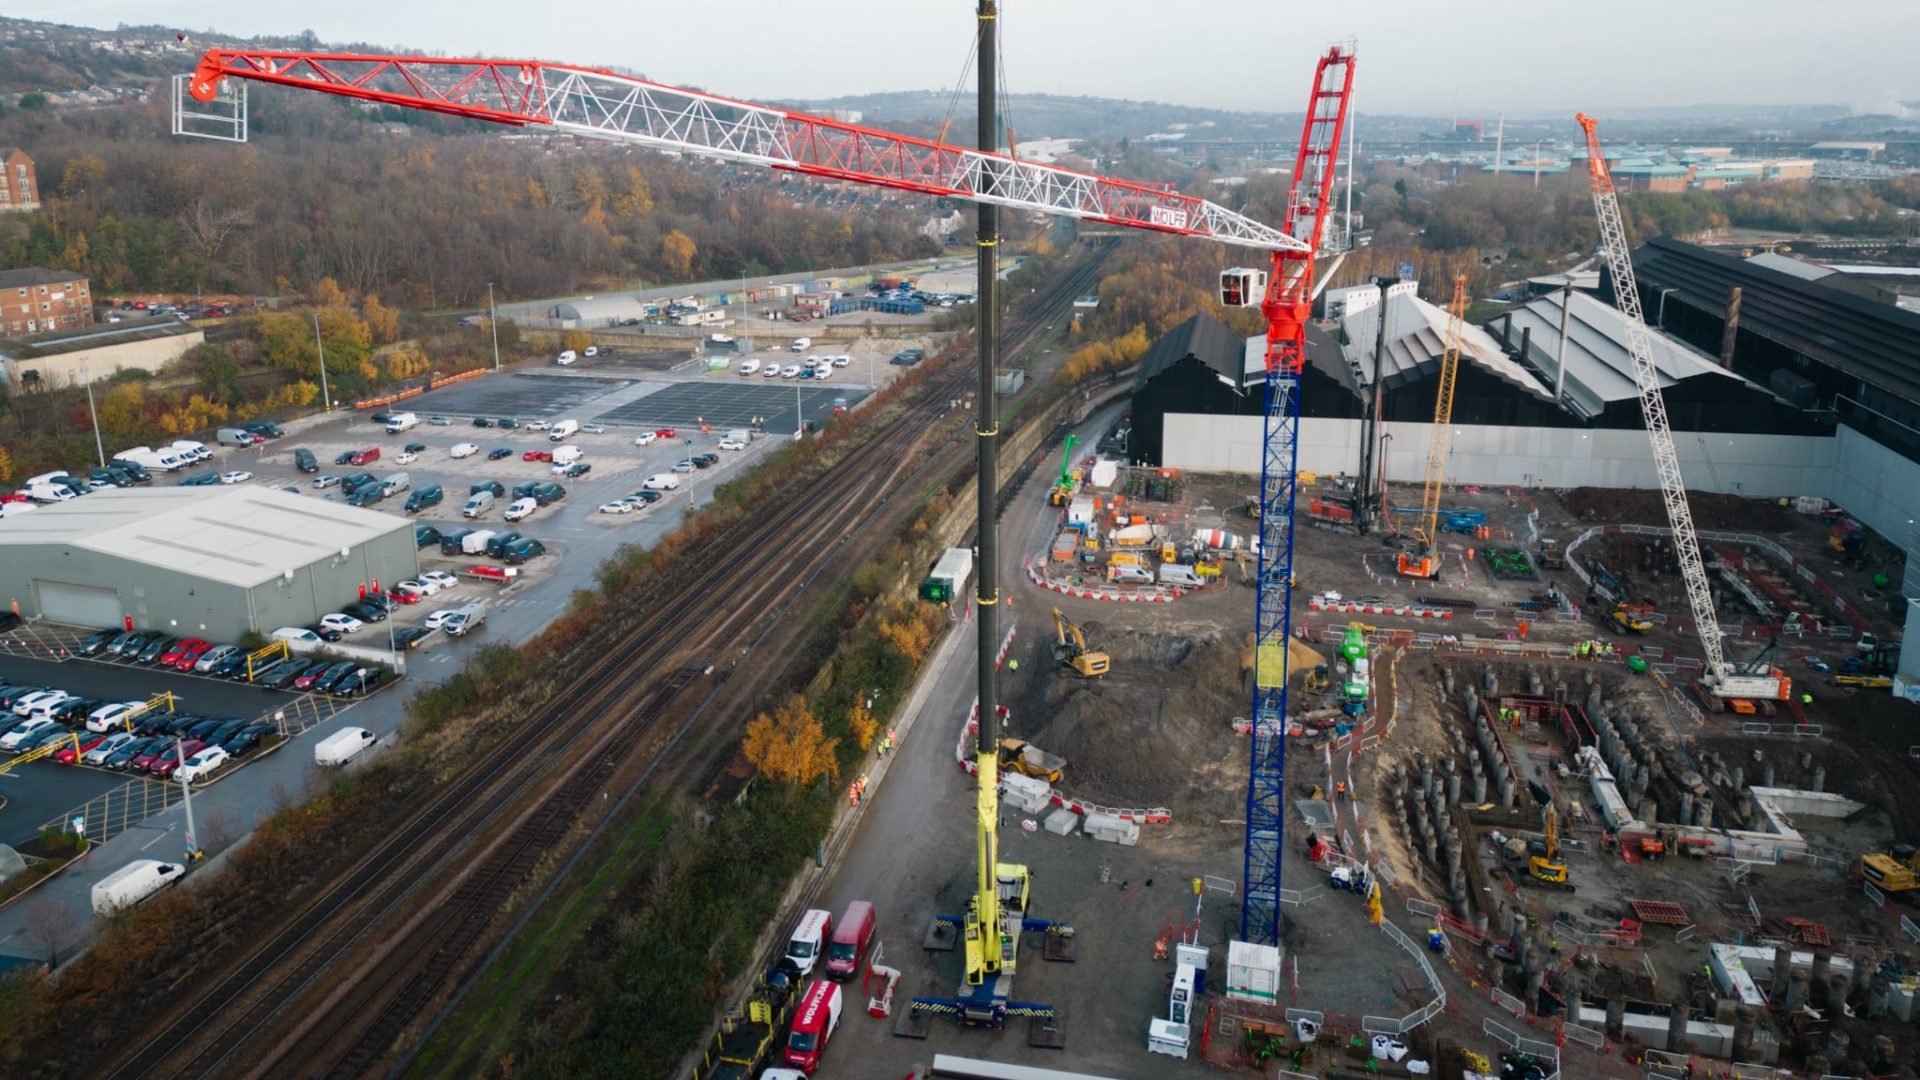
(132, 883)
(343, 746)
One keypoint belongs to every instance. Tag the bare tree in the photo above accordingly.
(218, 830)
(51, 925)
(208, 226)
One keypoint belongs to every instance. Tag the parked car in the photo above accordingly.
(706, 461)
(358, 681)
(416, 448)
(132, 750)
(463, 450)
(537, 455)
(405, 457)
(201, 479)
(410, 637)
(343, 457)
(156, 648)
(167, 763)
(593, 429)
(110, 744)
(548, 492)
(507, 422)
(684, 465)
(439, 421)
(235, 476)
(364, 611)
(324, 633)
(266, 428)
(203, 763)
(732, 444)
(481, 421)
(212, 657)
(19, 732)
(324, 482)
(245, 739)
(647, 496)
(620, 506)
(541, 425)
(186, 654)
(645, 438)
(285, 672)
(96, 642)
(438, 579)
(109, 477)
(313, 675)
(666, 432)
(431, 495)
(304, 460)
(499, 452)
(344, 623)
(578, 468)
(131, 645)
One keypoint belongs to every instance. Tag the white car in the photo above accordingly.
(47, 706)
(108, 717)
(465, 449)
(622, 507)
(732, 444)
(816, 361)
(405, 457)
(593, 429)
(593, 350)
(842, 361)
(237, 476)
(645, 438)
(521, 509)
(202, 765)
(771, 371)
(342, 622)
(324, 482)
(823, 371)
(439, 421)
(684, 465)
(33, 702)
(438, 579)
(438, 620)
(18, 733)
(414, 589)
(540, 425)
(791, 371)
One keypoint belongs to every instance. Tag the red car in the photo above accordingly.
(87, 742)
(537, 455)
(185, 654)
(139, 305)
(666, 432)
(143, 762)
(163, 765)
(361, 457)
(403, 598)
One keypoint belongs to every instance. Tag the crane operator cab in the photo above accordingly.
(1242, 287)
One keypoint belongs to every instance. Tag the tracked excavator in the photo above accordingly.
(1545, 868)
(1071, 648)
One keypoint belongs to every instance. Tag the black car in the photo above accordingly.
(204, 729)
(425, 535)
(578, 468)
(521, 550)
(358, 681)
(262, 672)
(382, 601)
(154, 648)
(507, 422)
(284, 675)
(325, 633)
(367, 495)
(111, 475)
(75, 710)
(450, 540)
(201, 479)
(431, 495)
(381, 418)
(123, 757)
(416, 448)
(495, 487)
(499, 452)
(647, 495)
(266, 429)
(411, 637)
(244, 739)
(97, 642)
(549, 492)
(225, 669)
(705, 461)
(499, 541)
(345, 457)
(481, 421)
(365, 612)
(304, 460)
(331, 679)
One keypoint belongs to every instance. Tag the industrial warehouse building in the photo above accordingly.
(75, 357)
(198, 561)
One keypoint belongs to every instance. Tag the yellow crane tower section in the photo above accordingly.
(1422, 562)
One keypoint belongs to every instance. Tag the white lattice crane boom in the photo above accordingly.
(1666, 459)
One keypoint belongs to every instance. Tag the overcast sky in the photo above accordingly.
(1415, 57)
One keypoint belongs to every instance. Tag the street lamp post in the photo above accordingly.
(493, 323)
(322, 347)
(186, 800)
(98, 446)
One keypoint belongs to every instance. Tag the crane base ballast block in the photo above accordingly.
(1111, 829)
(1062, 822)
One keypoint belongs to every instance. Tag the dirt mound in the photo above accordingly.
(1710, 511)
(1155, 731)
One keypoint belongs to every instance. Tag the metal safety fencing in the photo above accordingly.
(113, 812)
(1507, 1037)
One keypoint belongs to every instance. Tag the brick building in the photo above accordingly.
(19, 184)
(33, 300)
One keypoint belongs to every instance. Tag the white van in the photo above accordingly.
(400, 422)
(146, 457)
(295, 633)
(521, 509)
(395, 483)
(665, 481)
(132, 883)
(477, 505)
(475, 543)
(748, 367)
(563, 429)
(1183, 576)
(809, 941)
(465, 449)
(566, 357)
(233, 436)
(192, 450)
(343, 746)
(567, 455)
(801, 344)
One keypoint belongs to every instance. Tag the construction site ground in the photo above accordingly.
(1158, 732)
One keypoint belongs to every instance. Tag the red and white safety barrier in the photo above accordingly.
(1096, 593)
(1351, 607)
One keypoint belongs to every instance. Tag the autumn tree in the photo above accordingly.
(6, 464)
(676, 251)
(862, 724)
(790, 746)
(284, 340)
(382, 321)
(911, 630)
(576, 340)
(327, 294)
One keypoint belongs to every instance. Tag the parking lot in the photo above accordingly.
(41, 791)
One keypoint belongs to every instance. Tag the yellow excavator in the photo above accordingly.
(1071, 648)
(1027, 759)
(1629, 618)
(1892, 871)
(1545, 867)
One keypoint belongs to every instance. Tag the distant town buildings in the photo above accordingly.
(20, 185)
(33, 300)
(1856, 150)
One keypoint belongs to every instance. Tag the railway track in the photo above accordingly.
(480, 839)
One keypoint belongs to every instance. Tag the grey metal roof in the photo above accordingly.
(1599, 367)
(1416, 339)
(35, 275)
(1787, 264)
(600, 307)
(96, 336)
(1204, 338)
(242, 535)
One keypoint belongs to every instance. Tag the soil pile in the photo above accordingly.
(1710, 511)
(1155, 731)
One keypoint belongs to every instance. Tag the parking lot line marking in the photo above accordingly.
(157, 839)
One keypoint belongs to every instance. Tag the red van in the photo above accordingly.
(362, 457)
(813, 1024)
(850, 940)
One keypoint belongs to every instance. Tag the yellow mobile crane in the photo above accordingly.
(1071, 649)
(1421, 562)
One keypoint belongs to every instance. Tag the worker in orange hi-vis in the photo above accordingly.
(1524, 627)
